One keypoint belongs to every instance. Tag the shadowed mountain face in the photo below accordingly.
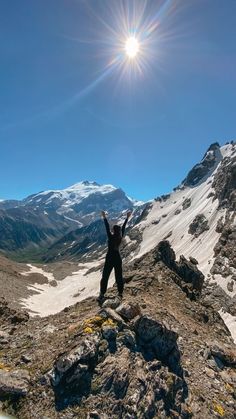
(211, 158)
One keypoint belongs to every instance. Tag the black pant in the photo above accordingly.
(113, 260)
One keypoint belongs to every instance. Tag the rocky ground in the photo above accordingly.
(161, 352)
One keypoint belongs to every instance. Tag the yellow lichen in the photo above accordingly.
(88, 330)
(218, 409)
(4, 367)
(109, 322)
(229, 388)
(95, 323)
(91, 325)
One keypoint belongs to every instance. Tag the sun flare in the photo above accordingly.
(131, 47)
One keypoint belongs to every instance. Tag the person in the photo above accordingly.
(113, 258)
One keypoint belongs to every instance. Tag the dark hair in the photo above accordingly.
(117, 230)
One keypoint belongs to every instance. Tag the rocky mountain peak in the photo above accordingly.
(213, 146)
(206, 166)
(92, 183)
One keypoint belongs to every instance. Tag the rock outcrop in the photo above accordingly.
(198, 225)
(205, 167)
(188, 277)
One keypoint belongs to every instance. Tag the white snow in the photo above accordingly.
(73, 288)
(75, 193)
(183, 242)
(135, 202)
(230, 322)
(75, 221)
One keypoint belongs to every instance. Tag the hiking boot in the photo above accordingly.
(100, 298)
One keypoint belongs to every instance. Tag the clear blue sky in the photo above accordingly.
(69, 112)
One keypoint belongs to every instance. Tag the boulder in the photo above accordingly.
(193, 260)
(187, 203)
(112, 314)
(126, 338)
(14, 383)
(154, 333)
(109, 332)
(189, 272)
(84, 353)
(111, 303)
(128, 310)
(165, 253)
(4, 337)
(198, 225)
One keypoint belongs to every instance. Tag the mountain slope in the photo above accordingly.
(189, 215)
(198, 219)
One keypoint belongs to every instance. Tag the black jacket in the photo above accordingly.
(114, 241)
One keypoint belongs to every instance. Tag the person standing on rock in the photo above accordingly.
(113, 258)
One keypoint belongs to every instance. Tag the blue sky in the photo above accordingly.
(72, 107)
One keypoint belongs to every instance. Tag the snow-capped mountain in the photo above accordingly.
(83, 201)
(43, 218)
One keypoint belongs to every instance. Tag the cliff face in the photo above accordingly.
(161, 352)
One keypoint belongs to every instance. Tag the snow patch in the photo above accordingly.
(230, 322)
(76, 287)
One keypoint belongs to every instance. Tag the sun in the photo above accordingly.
(132, 47)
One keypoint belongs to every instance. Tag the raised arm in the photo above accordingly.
(103, 214)
(124, 225)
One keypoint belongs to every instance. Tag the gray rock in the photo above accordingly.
(127, 338)
(26, 358)
(14, 383)
(110, 313)
(109, 332)
(187, 203)
(161, 339)
(227, 357)
(178, 211)
(111, 303)
(193, 260)
(230, 286)
(198, 225)
(53, 283)
(4, 337)
(86, 351)
(95, 415)
(128, 311)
